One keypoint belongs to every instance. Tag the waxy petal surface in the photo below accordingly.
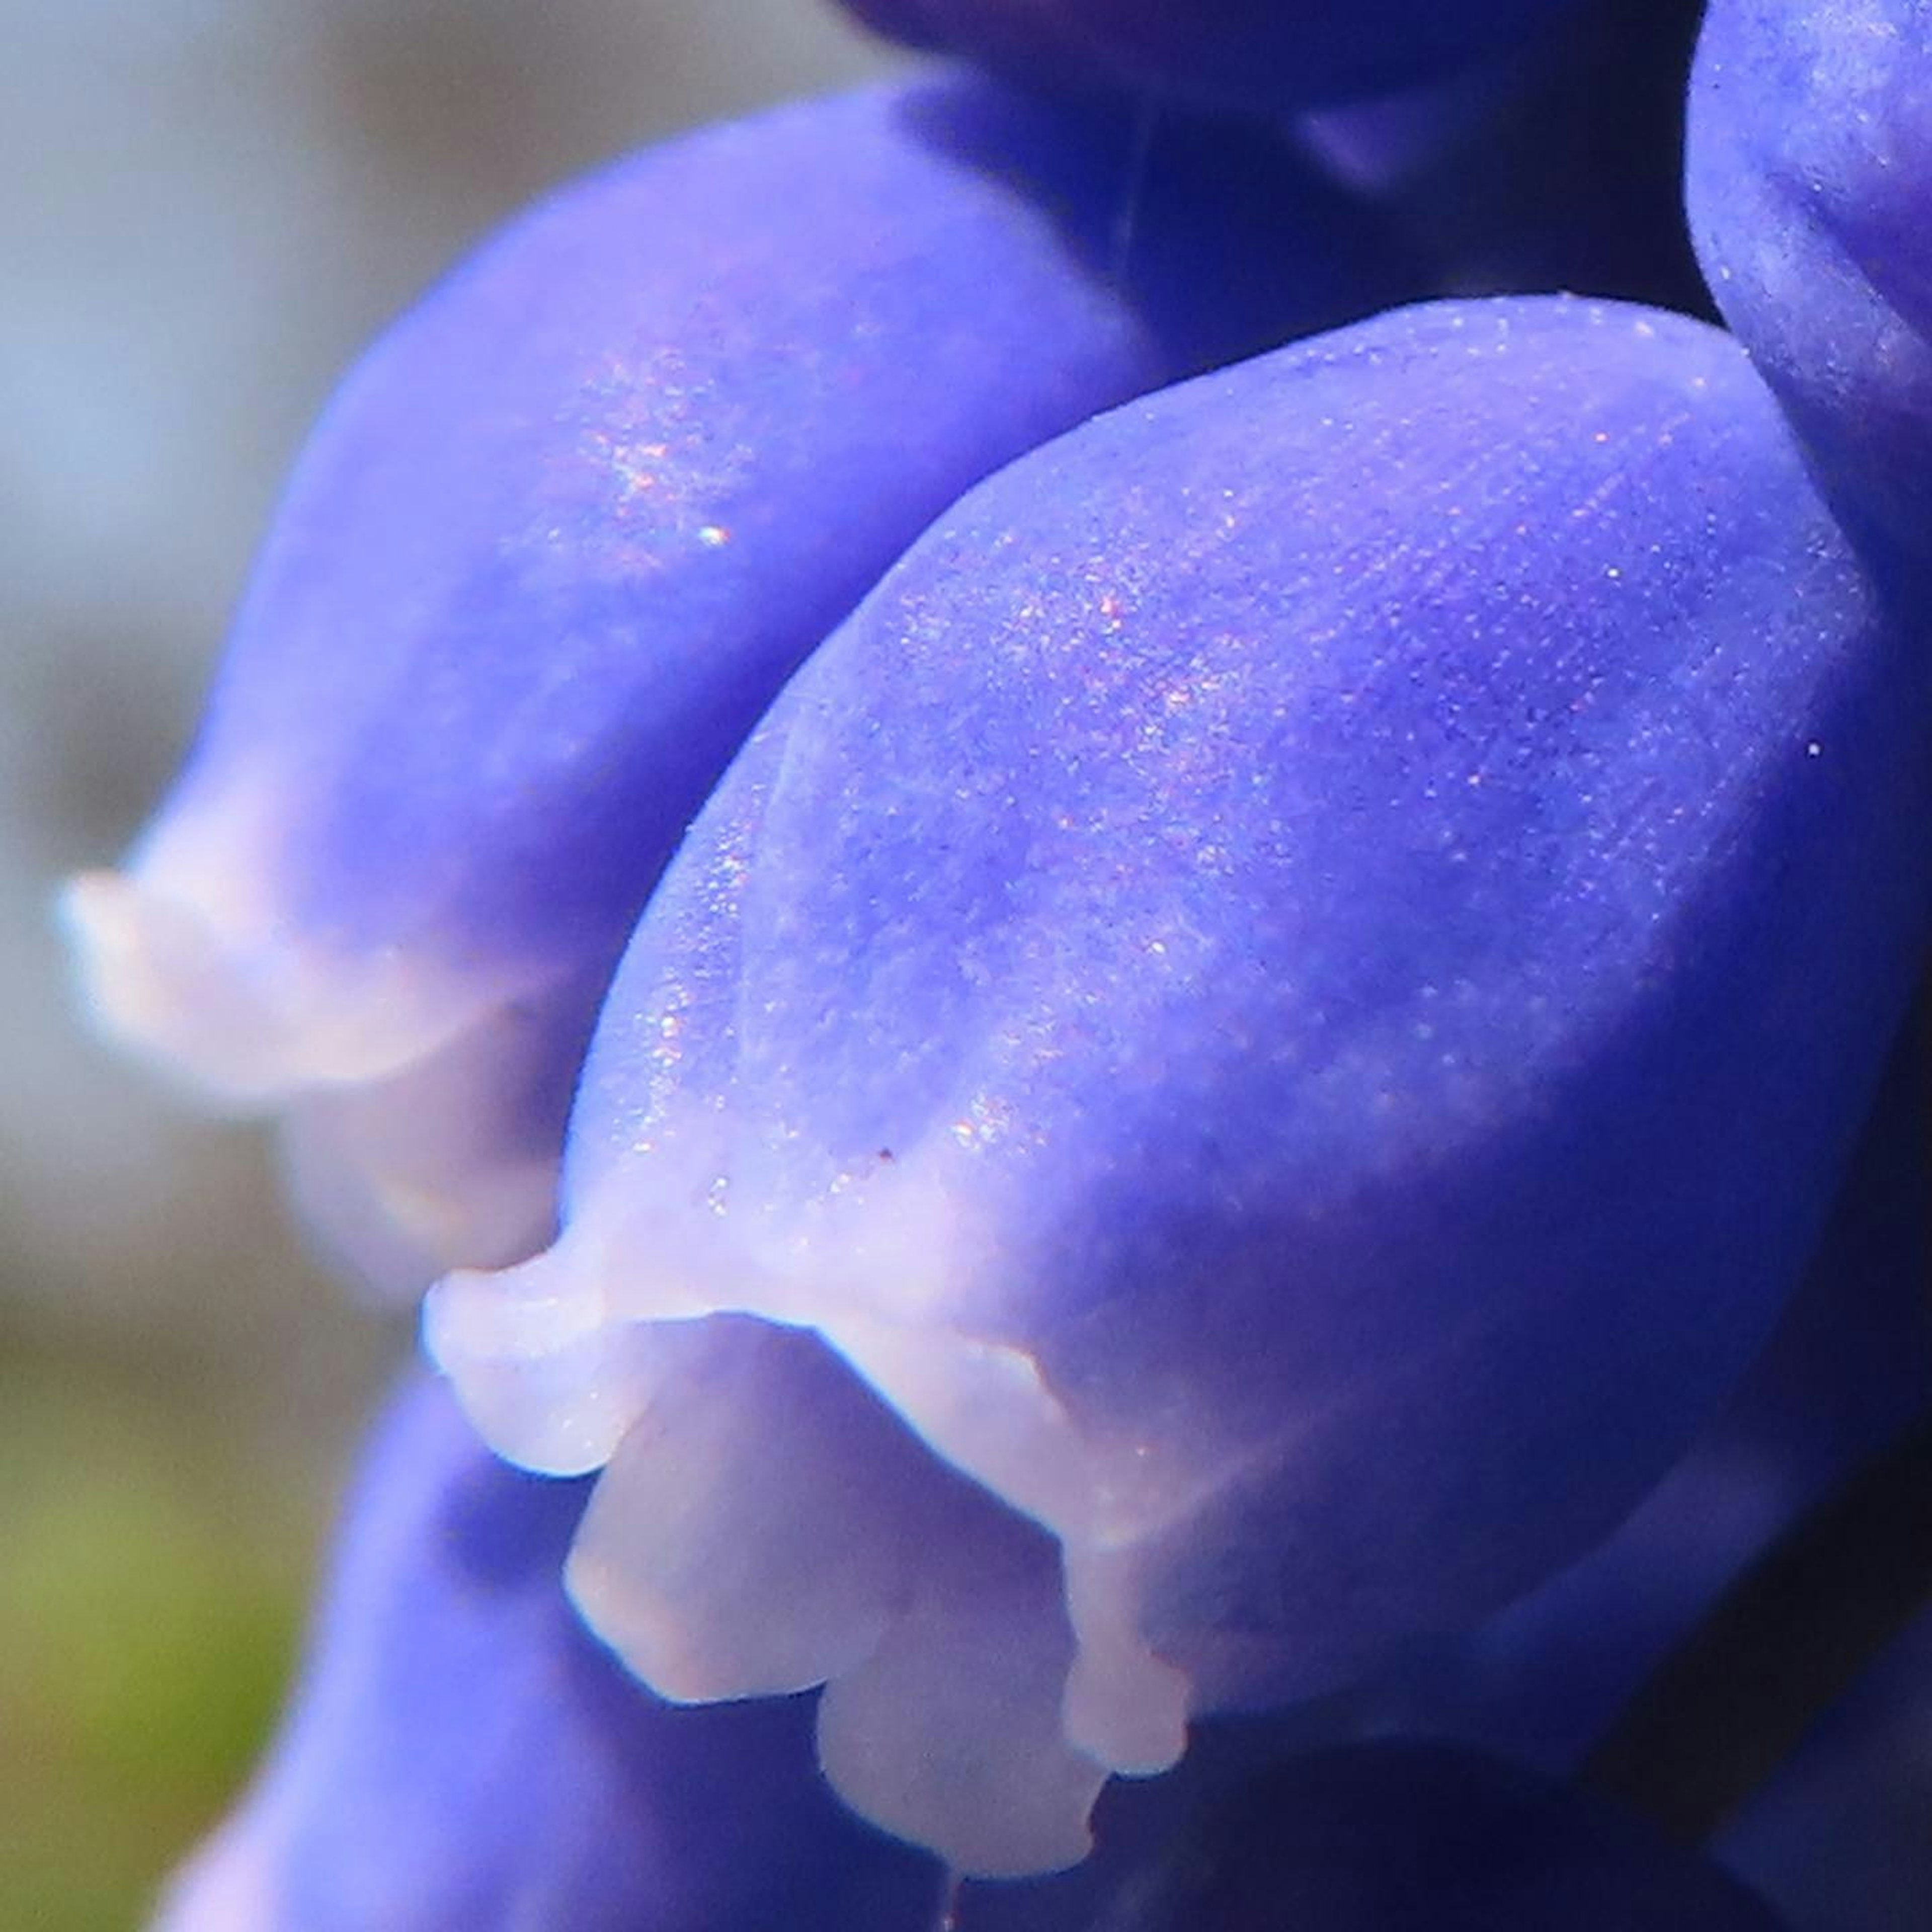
(1290, 992)
(560, 538)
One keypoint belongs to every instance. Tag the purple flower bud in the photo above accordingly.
(1289, 992)
(562, 536)
(1810, 186)
(1268, 56)
(462, 1757)
(1561, 167)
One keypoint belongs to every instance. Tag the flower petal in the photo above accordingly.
(1848, 1369)
(559, 539)
(1809, 180)
(1290, 991)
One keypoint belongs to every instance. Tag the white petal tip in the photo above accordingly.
(991, 1792)
(188, 959)
(1129, 1712)
(158, 975)
(545, 1383)
(748, 1539)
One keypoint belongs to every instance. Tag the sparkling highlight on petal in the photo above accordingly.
(1224, 994)
(563, 536)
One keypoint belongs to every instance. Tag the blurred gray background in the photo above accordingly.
(211, 204)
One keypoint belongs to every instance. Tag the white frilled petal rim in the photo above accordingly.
(191, 956)
(890, 1509)
(413, 1095)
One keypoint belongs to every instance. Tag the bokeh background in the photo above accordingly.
(211, 204)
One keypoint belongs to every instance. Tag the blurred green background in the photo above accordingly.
(154, 1593)
(211, 204)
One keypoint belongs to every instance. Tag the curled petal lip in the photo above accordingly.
(249, 1021)
(421, 1105)
(1378, 1227)
(558, 1381)
(160, 975)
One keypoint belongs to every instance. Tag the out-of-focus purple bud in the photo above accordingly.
(1849, 1367)
(1290, 991)
(1810, 186)
(1838, 1840)
(1265, 56)
(1561, 167)
(1378, 1837)
(462, 1757)
(559, 541)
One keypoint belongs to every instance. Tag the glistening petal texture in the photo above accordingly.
(1290, 991)
(1265, 56)
(462, 1757)
(1809, 182)
(559, 539)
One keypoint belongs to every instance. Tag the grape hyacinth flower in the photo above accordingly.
(561, 538)
(1241, 1049)
(1223, 992)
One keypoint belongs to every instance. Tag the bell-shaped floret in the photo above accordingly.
(463, 1757)
(1290, 992)
(1258, 56)
(559, 541)
(1810, 187)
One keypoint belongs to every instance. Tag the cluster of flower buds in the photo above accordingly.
(1112, 929)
